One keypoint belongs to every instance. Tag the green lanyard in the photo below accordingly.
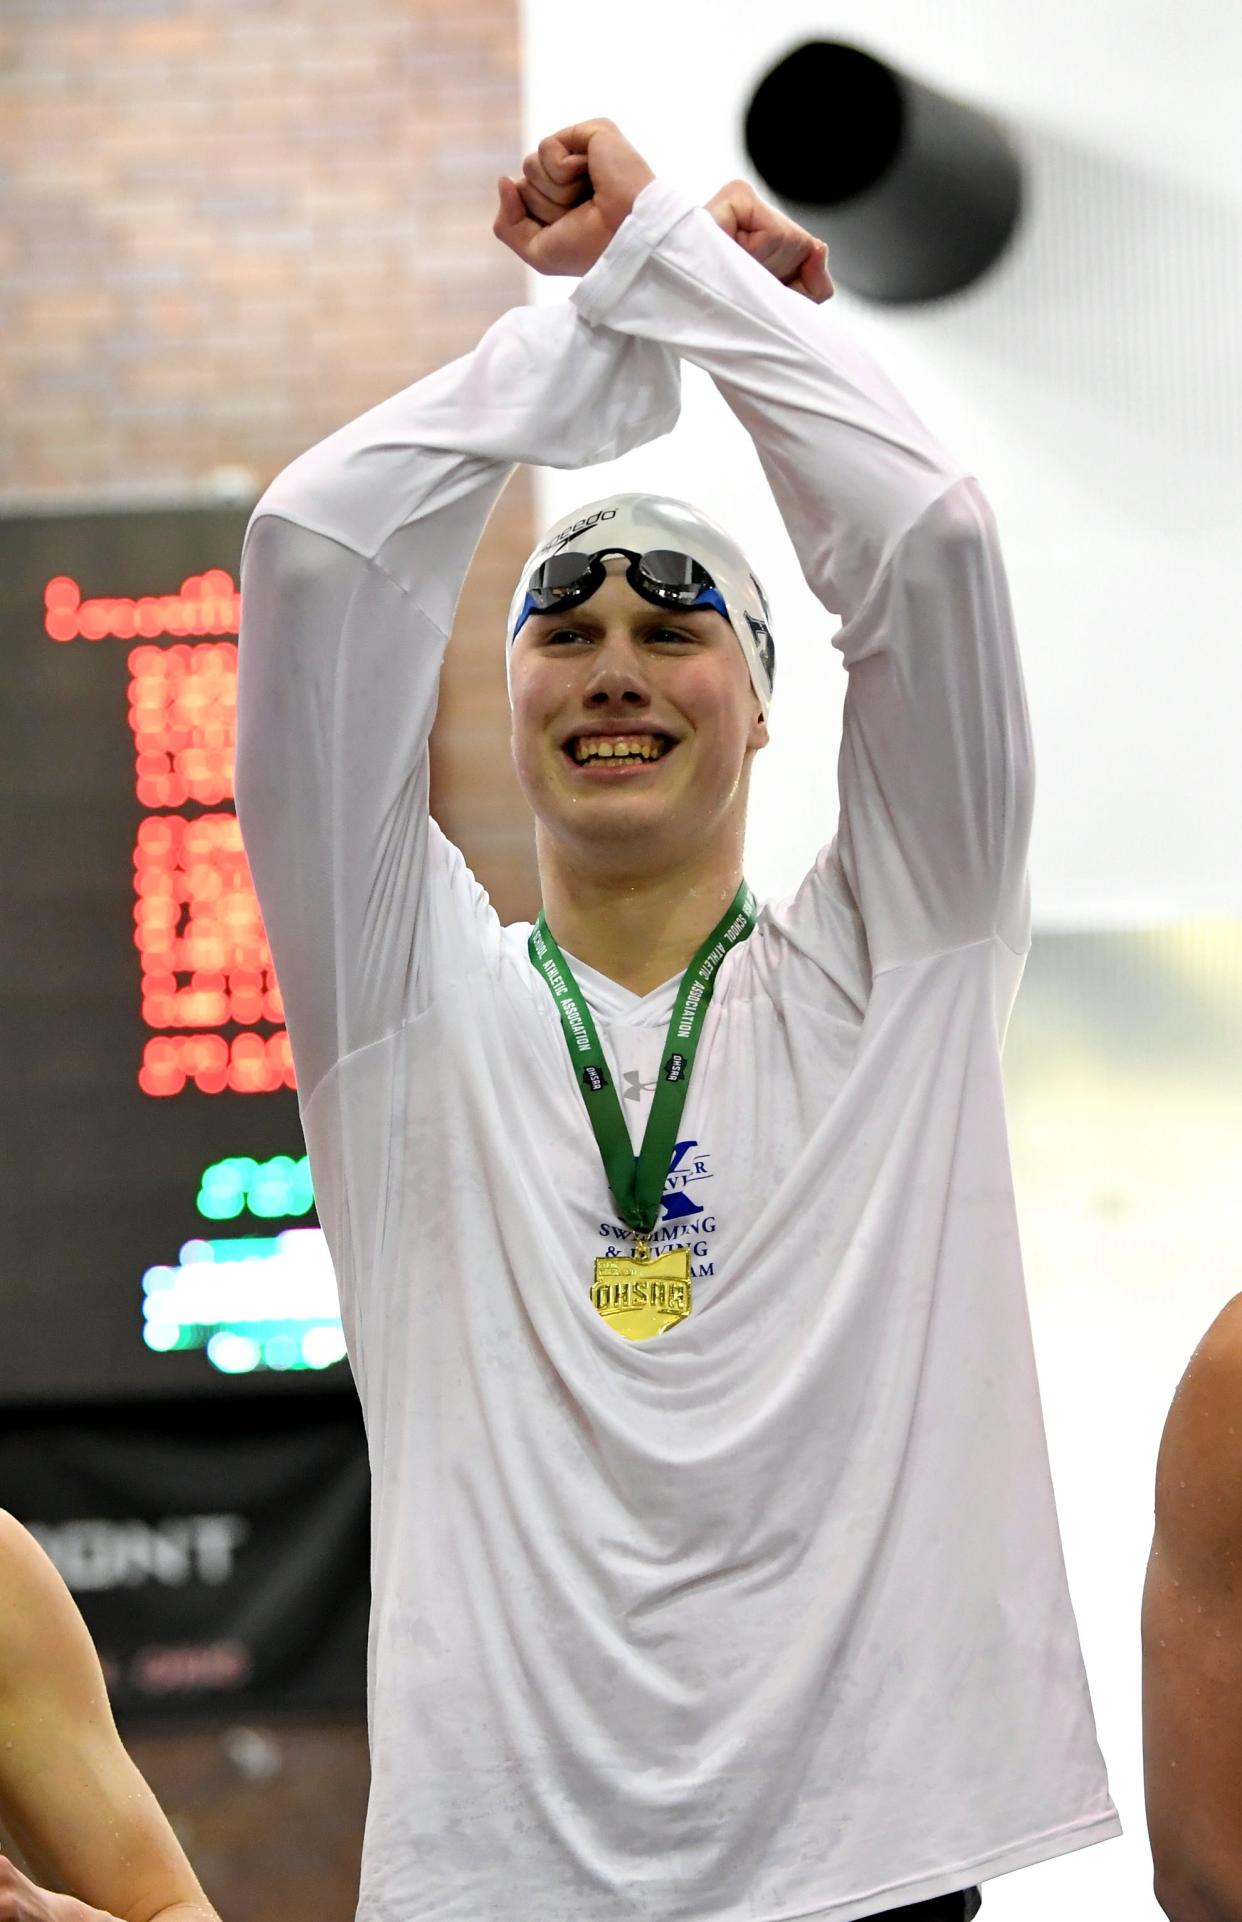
(637, 1181)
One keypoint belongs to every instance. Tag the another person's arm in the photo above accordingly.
(1192, 1639)
(70, 1797)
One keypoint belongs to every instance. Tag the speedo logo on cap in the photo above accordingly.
(579, 527)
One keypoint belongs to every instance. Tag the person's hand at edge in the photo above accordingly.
(21, 1901)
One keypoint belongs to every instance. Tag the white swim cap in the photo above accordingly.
(642, 522)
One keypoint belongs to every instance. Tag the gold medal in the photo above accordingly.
(640, 1295)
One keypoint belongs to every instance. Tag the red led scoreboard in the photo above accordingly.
(158, 1231)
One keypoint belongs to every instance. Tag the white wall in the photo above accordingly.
(1093, 382)
(1095, 385)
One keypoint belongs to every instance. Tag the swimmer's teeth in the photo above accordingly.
(620, 749)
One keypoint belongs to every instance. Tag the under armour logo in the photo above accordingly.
(633, 1090)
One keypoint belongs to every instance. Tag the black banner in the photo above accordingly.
(218, 1556)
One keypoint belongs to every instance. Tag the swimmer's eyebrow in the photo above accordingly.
(591, 623)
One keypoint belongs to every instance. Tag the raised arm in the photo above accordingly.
(352, 568)
(892, 536)
(1192, 1639)
(70, 1797)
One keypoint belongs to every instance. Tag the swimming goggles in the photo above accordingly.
(661, 575)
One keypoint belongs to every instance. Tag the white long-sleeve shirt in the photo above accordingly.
(765, 1618)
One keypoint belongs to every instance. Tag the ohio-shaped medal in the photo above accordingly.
(642, 1298)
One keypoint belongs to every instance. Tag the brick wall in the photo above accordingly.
(231, 225)
(227, 227)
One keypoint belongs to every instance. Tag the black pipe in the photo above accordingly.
(916, 194)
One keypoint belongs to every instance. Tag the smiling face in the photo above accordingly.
(633, 727)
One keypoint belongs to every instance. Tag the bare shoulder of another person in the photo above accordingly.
(1192, 1638)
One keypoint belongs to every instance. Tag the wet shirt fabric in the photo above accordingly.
(765, 1618)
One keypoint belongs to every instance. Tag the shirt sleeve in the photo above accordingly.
(351, 571)
(894, 538)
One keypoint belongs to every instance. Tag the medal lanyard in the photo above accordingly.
(637, 1181)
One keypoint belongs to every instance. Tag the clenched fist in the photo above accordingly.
(575, 192)
(795, 257)
(580, 184)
